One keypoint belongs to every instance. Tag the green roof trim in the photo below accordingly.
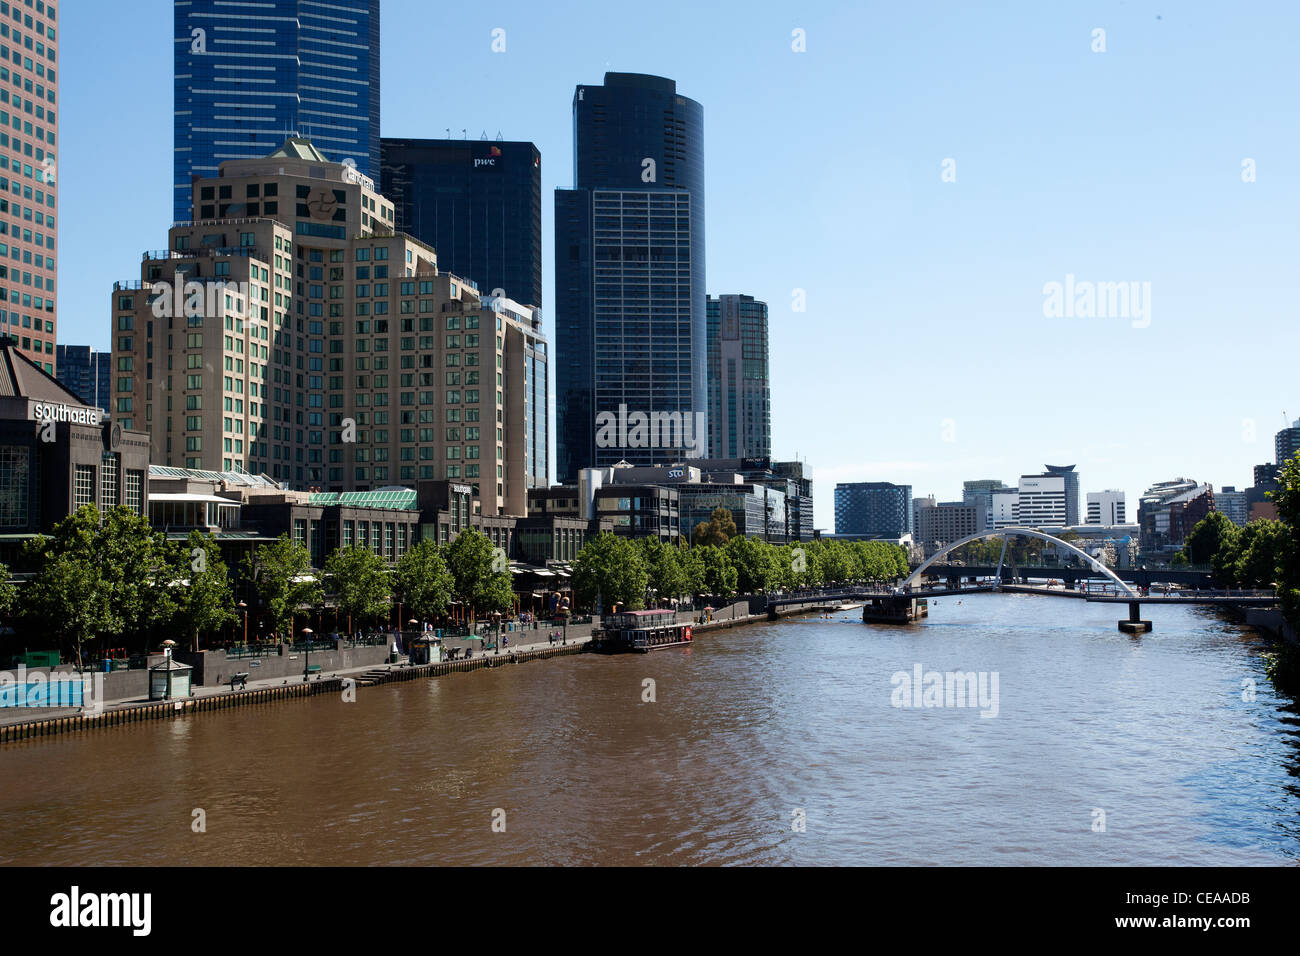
(403, 500)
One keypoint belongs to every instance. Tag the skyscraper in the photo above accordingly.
(315, 345)
(629, 278)
(478, 203)
(877, 508)
(1071, 490)
(85, 372)
(248, 75)
(29, 177)
(1286, 444)
(740, 398)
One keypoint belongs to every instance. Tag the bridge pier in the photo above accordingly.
(1135, 624)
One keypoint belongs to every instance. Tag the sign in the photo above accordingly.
(76, 414)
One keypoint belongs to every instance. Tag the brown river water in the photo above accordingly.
(769, 744)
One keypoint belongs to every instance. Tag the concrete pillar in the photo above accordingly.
(1135, 624)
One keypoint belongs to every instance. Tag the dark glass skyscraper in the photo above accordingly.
(85, 372)
(249, 75)
(478, 203)
(629, 278)
(878, 508)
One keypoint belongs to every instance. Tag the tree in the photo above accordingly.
(612, 569)
(719, 575)
(69, 598)
(664, 568)
(361, 583)
(482, 581)
(1259, 554)
(282, 574)
(717, 531)
(7, 592)
(204, 602)
(755, 563)
(138, 566)
(423, 581)
(1213, 535)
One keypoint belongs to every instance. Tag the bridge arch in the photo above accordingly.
(1004, 533)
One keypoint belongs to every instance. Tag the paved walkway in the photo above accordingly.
(536, 641)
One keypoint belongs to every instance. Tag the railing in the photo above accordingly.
(199, 252)
(252, 650)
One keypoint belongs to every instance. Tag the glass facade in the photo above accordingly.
(85, 372)
(740, 403)
(28, 177)
(876, 508)
(247, 76)
(629, 261)
(478, 203)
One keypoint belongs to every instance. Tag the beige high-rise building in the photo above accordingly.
(297, 335)
(29, 127)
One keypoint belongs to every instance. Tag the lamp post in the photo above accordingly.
(496, 619)
(244, 607)
(306, 666)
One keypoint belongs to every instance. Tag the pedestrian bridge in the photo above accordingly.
(908, 602)
(1006, 534)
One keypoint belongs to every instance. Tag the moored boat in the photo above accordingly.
(640, 632)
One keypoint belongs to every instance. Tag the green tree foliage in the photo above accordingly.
(613, 568)
(98, 579)
(720, 576)
(1287, 499)
(139, 566)
(204, 602)
(611, 565)
(717, 531)
(282, 574)
(361, 582)
(1213, 534)
(7, 592)
(758, 565)
(423, 581)
(69, 598)
(665, 568)
(481, 583)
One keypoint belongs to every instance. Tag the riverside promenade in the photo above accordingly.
(26, 723)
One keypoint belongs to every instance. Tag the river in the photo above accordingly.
(775, 743)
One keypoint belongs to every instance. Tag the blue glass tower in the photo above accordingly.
(629, 277)
(248, 76)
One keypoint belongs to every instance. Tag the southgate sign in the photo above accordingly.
(77, 414)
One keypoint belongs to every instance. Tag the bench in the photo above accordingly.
(313, 668)
(241, 679)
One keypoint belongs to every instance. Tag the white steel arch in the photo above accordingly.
(1019, 532)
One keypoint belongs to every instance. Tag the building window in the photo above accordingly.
(133, 496)
(108, 482)
(83, 487)
(15, 485)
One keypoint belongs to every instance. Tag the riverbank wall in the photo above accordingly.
(213, 669)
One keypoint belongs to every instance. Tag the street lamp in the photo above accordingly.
(496, 619)
(244, 607)
(306, 666)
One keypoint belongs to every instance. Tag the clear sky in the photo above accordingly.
(924, 355)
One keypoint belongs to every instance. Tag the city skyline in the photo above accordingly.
(1101, 201)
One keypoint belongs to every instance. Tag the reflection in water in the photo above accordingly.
(751, 731)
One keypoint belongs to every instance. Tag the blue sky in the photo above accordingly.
(924, 355)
